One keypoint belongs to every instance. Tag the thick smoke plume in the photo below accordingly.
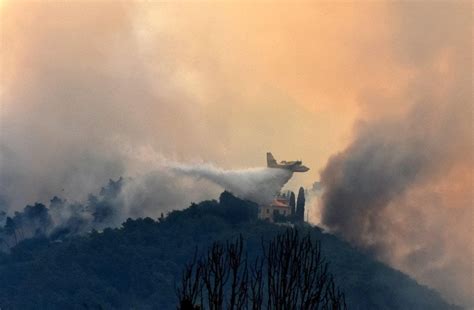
(82, 101)
(87, 96)
(402, 190)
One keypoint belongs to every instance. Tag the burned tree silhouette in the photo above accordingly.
(291, 274)
(190, 288)
(297, 275)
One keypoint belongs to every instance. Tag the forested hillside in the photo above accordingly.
(139, 265)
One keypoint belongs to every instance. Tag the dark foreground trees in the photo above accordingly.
(291, 274)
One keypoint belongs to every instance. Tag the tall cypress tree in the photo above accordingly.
(300, 201)
(292, 204)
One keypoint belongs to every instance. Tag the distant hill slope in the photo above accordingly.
(138, 265)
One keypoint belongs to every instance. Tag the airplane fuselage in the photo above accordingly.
(294, 166)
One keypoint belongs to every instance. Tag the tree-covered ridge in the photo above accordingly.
(139, 265)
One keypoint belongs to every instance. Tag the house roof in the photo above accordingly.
(281, 203)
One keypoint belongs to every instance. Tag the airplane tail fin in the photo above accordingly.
(271, 162)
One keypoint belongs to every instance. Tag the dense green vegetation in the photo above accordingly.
(139, 265)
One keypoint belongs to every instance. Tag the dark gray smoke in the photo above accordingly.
(399, 191)
(402, 188)
(385, 159)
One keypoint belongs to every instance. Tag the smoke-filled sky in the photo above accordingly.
(92, 90)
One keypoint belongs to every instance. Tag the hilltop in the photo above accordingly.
(138, 265)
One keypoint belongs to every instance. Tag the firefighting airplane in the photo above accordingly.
(294, 166)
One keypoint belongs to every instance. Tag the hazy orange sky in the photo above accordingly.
(97, 89)
(250, 78)
(288, 78)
